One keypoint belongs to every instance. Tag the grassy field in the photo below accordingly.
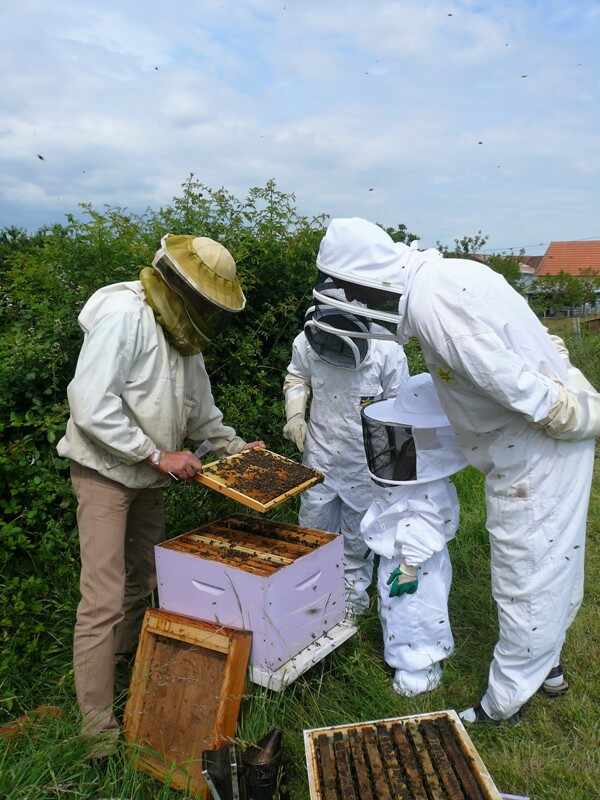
(565, 326)
(552, 753)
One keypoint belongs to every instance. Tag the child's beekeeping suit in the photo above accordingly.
(411, 452)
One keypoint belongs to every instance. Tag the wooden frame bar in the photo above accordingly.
(187, 685)
(211, 480)
(421, 756)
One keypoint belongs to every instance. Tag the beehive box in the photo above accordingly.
(282, 582)
(421, 757)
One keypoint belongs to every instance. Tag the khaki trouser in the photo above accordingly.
(118, 528)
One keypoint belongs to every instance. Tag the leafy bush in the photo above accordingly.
(558, 292)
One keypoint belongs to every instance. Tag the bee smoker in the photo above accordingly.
(222, 770)
(255, 774)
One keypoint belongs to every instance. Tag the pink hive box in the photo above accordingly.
(282, 582)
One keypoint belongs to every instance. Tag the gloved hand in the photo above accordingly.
(403, 580)
(294, 431)
(559, 346)
(575, 415)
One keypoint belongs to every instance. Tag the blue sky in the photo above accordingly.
(374, 108)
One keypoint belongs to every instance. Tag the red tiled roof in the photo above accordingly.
(571, 257)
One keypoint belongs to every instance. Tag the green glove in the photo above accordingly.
(403, 580)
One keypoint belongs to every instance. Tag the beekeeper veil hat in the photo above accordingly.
(199, 267)
(191, 286)
(408, 439)
(364, 261)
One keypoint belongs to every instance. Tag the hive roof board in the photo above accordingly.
(258, 479)
(574, 258)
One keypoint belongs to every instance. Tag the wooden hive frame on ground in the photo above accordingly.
(282, 582)
(421, 757)
(185, 694)
(258, 479)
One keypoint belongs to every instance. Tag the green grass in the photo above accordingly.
(553, 753)
(564, 326)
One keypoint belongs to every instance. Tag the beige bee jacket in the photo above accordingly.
(133, 392)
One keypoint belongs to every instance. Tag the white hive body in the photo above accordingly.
(282, 582)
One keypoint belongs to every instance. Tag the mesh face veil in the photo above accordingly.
(408, 439)
(206, 317)
(373, 270)
(366, 304)
(323, 328)
(390, 451)
(398, 455)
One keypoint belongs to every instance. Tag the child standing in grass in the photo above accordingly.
(411, 452)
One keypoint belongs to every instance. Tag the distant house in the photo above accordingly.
(528, 267)
(574, 258)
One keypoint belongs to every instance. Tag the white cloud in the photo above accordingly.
(408, 30)
(330, 99)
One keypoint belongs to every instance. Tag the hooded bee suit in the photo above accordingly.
(411, 451)
(523, 416)
(333, 441)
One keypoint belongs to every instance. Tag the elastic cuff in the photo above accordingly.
(143, 451)
(134, 456)
(408, 569)
(485, 705)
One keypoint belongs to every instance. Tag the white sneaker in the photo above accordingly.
(476, 715)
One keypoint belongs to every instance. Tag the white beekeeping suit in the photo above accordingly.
(332, 438)
(411, 452)
(523, 416)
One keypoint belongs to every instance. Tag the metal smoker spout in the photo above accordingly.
(265, 750)
(263, 768)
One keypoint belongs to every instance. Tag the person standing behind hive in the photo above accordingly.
(339, 372)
